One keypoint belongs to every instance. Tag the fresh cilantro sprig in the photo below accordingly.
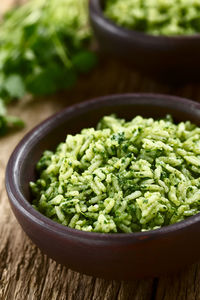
(7, 121)
(43, 48)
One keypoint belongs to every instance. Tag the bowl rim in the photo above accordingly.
(19, 201)
(96, 12)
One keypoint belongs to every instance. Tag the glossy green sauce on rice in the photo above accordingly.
(122, 177)
(157, 17)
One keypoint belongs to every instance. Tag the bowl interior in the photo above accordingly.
(70, 121)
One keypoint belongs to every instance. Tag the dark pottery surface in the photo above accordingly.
(173, 59)
(116, 256)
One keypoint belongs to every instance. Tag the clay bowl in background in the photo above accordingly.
(115, 256)
(174, 59)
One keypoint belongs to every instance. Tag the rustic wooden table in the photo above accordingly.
(26, 273)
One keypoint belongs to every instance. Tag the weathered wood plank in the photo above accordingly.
(182, 286)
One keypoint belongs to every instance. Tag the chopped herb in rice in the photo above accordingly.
(157, 17)
(122, 177)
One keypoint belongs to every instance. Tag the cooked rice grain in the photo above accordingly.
(122, 177)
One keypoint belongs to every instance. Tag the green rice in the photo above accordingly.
(122, 177)
(158, 17)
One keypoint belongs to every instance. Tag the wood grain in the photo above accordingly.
(27, 274)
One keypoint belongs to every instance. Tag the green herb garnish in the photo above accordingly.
(43, 48)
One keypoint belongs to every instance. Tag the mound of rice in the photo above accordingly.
(122, 177)
(157, 17)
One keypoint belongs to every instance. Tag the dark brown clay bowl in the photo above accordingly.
(171, 58)
(116, 256)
